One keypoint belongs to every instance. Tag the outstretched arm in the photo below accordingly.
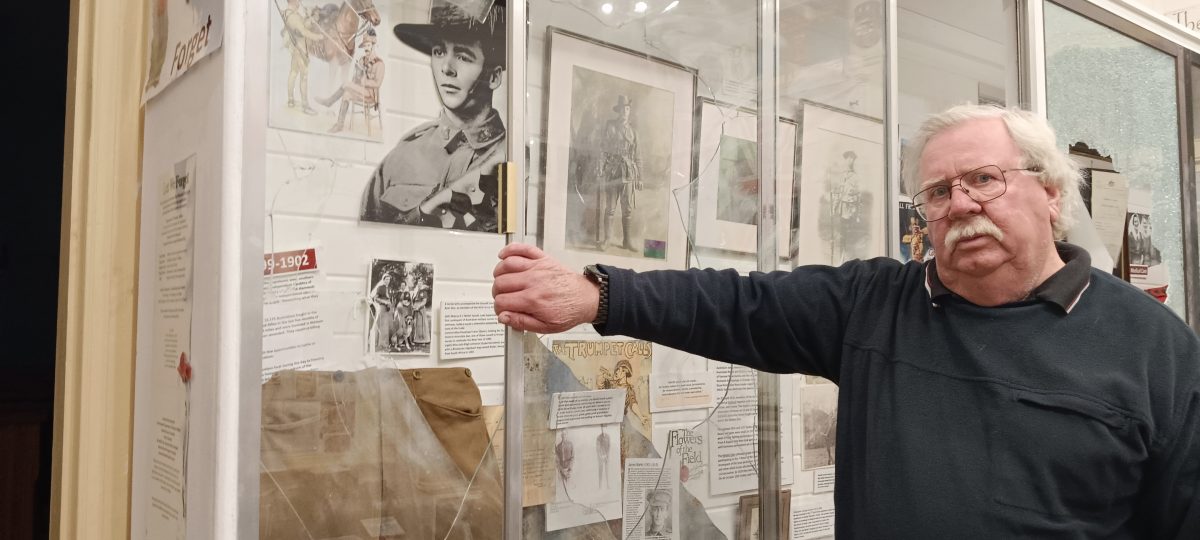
(779, 321)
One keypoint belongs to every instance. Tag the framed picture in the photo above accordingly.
(400, 304)
(748, 521)
(619, 131)
(727, 198)
(841, 194)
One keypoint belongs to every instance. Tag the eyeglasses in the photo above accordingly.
(981, 185)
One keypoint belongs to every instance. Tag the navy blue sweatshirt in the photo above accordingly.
(1061, 416)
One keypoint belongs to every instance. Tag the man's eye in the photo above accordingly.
(437, 51)
(983, 178)
(939, 192)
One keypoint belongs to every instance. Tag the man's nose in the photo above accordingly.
(961, 204)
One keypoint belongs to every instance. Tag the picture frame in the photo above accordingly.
(841, 196)
(748, 521)
(727, 200)
(616, 120)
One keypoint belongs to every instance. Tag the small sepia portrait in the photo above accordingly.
(818, 417)
(443, 173)
(400, 300)
(659, 505)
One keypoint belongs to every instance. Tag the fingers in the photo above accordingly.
(523, 250)
(513, 264)
(509, 283)
(522, 322)
(512, 301)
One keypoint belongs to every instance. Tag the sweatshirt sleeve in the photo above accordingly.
(780, 322)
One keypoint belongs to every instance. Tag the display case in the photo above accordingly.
(396, 146)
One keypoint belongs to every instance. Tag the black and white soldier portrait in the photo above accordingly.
(620, 150)
(399, 304)
(443, 173)
(845, 222)
(658, 523)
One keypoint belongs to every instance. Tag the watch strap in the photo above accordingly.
(597, 276)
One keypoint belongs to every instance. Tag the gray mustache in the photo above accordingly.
(975, 227)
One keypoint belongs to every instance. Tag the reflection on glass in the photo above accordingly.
(1117, 95)
(642, 123)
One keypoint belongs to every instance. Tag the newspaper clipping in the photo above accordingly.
(651, 499)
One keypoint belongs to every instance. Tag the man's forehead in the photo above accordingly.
(967, 146)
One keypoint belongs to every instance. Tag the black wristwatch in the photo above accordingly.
(597, 276)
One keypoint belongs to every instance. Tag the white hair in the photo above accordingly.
(1032, 135)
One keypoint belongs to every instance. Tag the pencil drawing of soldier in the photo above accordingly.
(363, 88)
(603, 446)
(844, 223)
(442, 174)
(620, 175)
(300, 28)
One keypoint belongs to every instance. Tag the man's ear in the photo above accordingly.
(495, 77)
(1054, 200)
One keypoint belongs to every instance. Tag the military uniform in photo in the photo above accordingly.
(443, 173)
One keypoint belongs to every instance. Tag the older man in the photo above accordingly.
(1004, 389)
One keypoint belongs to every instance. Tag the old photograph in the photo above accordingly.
(915, 243)
(1141, 242)
(400, 307)
(658, 522)
(620, 153)
(727, 195)
(326, 67)
(818, 417)
(841, 189)
(443, 173)
(619, 134)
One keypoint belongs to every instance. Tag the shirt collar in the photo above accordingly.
(478, 136)
(1064, 288)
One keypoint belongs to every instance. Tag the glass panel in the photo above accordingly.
(1118, 97)
(642, 120)
(832, 81)
(387, 118)
(948, 58)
